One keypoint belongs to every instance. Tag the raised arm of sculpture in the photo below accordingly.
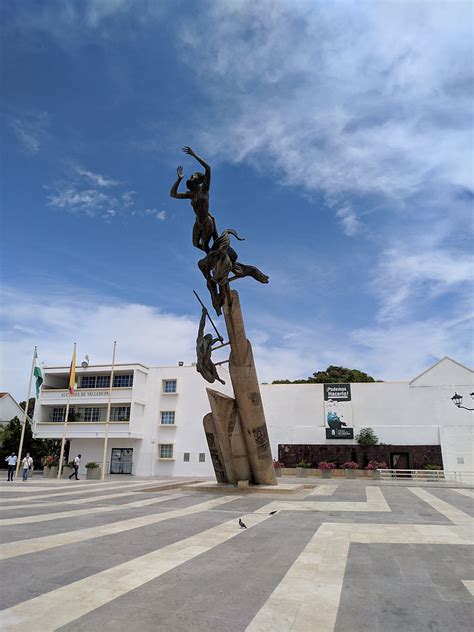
(202, 324)
(204, 364)
(174, 189)
(207, 169)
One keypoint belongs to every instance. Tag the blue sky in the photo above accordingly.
(340, 137)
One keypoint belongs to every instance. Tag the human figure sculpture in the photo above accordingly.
(220, 261)
(221, 258)
(204, 365)
(235, 428)
(198, 184)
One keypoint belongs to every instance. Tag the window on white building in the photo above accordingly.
(166, 450)
(120, 413)
(103, 381)
(91, 414)
(202, 457)
(58, 414)
(88, 381)
(123, 381)
(187, 457)
(167, 417)
(169, 386)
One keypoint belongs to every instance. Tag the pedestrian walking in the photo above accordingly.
(11, 462)
(26, 465)
(77, 462)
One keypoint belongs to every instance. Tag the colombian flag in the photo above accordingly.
(72, 373)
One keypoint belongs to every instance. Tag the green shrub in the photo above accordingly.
(367, 437)
(304, 464)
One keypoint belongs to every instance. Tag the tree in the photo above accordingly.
(31, 407)
(335, 374)
(367, 437)
(11, 438)
(38, 448)
(332, 375)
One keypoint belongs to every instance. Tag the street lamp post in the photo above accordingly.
(457, 401)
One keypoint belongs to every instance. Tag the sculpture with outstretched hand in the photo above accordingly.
(236, 429)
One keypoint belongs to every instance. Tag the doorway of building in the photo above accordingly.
(121, 461)
(399, 461)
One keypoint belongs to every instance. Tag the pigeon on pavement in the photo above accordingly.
(241, 524)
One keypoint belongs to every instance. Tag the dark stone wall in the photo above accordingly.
(418, 455)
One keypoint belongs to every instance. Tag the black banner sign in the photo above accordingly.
(339, 433)
(337, 392)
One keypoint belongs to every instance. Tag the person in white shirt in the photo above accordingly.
(26, 465)
(11, 462)
(77, 462)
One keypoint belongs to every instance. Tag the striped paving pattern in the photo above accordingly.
(113, 556)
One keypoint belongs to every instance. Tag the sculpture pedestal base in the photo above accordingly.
(224, 488)
(236, 429)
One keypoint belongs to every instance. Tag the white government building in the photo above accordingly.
(156, 416)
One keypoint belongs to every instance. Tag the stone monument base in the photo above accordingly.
(225, 488)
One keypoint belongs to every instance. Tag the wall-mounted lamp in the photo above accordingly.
(457, 401)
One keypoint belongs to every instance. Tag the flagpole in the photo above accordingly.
(107, 421)
(22, 436)
(61, 455)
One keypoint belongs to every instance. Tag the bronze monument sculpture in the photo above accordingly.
(198, 192)
(204, 364)
(236, 429)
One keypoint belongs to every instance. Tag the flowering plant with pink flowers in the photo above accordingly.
(349, 465)
(376, 465)
(50, 461)
(326, 465)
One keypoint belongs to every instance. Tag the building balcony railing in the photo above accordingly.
(86, 430)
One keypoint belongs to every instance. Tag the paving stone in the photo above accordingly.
(384, 586)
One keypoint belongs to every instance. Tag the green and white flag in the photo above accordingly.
(38, 373)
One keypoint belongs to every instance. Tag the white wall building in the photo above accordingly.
(156, 415)
(9, 408)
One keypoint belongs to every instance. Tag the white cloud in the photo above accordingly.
(410, 276)
(399, 351)
(72, 23)
(127, 198)
(97, 179)
(143, 333)
(30, 130)
(349, 97)
(89, 202)
(76, 195)
(368, 103)
(98, 10)
(349, 220)
(153, 212)
(282, 348)
(402, 351)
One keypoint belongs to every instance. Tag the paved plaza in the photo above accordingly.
(129, 554)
